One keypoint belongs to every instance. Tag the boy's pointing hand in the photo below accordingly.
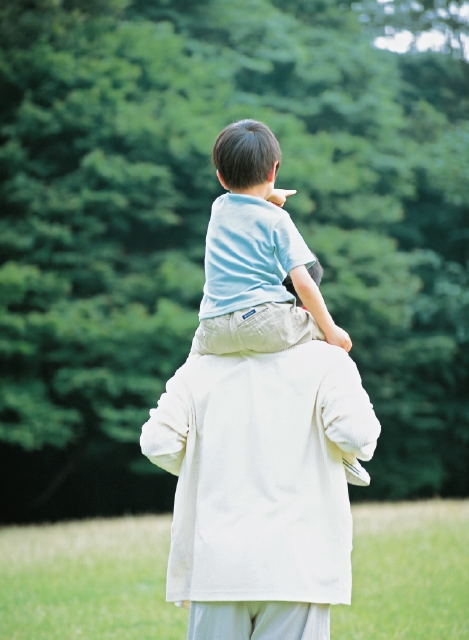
(279, 196)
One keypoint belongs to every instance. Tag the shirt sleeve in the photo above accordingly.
(164, 435)
(290, 248)
(348, 416)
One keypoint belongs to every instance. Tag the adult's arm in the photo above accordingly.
(348, 416)
(163, 439)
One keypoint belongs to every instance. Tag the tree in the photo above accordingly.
(98, 289)
(106, 188)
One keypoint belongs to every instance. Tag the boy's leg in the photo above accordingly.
(273, 326)
(213, 336)
(265, 328)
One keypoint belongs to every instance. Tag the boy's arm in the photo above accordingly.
(311, 297)
(279, 196)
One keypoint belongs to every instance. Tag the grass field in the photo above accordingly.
(104, 579)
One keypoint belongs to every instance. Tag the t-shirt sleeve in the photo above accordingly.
(290, 248)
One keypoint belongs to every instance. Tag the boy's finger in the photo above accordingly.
(289, 192)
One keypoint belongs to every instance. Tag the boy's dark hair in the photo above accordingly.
(245, 152)
(315, 271)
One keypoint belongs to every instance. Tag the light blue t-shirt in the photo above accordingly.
(251, 246)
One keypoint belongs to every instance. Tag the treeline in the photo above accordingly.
(109, 110)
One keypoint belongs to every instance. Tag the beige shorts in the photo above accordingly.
(265, 328)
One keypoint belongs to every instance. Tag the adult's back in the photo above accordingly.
(262, 509)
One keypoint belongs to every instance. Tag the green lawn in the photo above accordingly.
(104, 579)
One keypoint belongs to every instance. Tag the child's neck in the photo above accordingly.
(262, 191)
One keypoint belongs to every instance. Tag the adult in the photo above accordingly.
(262, 530)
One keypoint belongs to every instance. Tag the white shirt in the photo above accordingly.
(261, 509)
(251, 246)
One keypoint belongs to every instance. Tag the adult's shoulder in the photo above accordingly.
(327, 358)
(336, 355)
(187, 370)
(337, 371)
(328, 352)
(200, 368)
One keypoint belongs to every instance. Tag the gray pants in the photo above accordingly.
(265, 328)
(259, 621)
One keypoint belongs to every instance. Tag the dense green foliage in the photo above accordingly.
(110, 109)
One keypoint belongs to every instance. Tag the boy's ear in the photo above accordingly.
(222, 182)
(273, 173)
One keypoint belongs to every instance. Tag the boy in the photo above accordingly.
(252, 244)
